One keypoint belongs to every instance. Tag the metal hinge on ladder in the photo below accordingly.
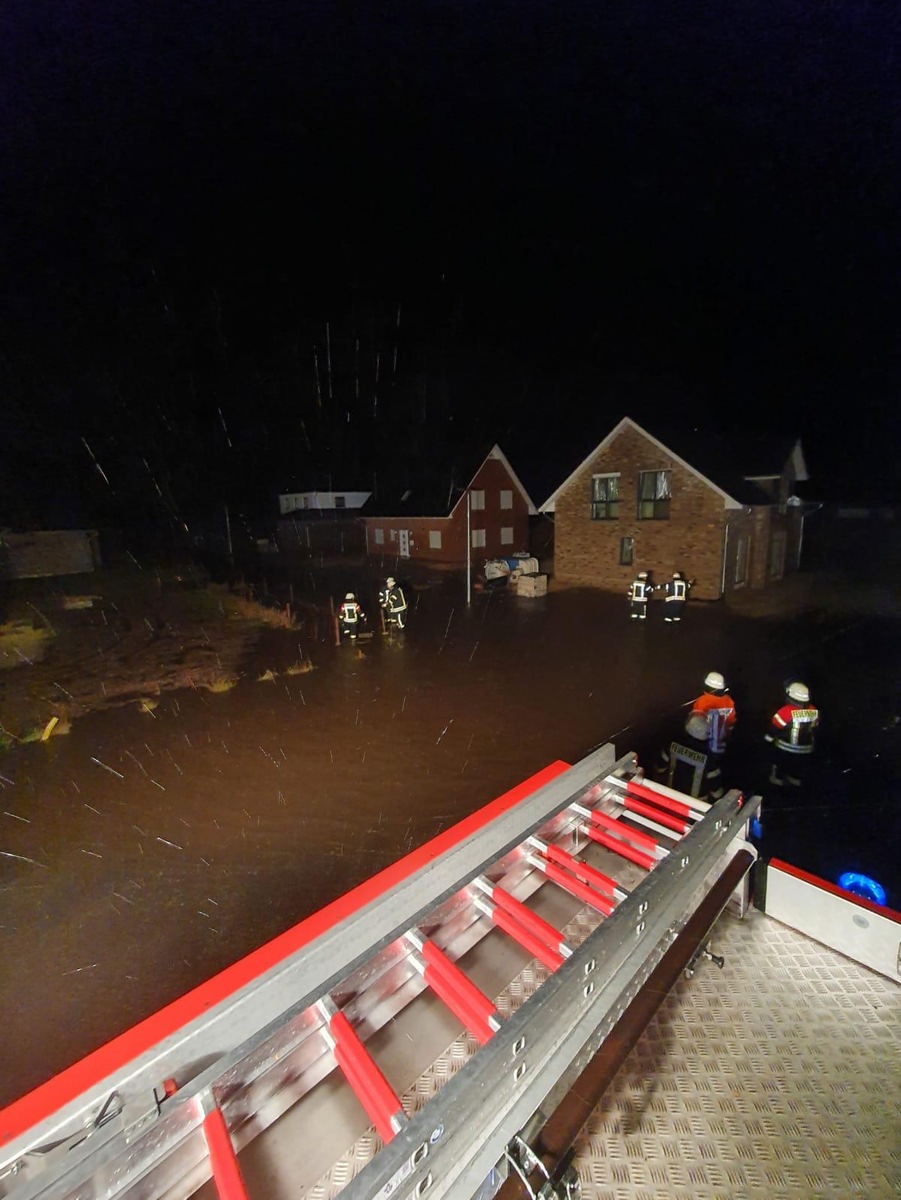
(563, 1185)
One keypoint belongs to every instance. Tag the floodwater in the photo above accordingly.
(145, 852)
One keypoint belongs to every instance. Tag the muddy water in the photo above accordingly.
(144, 852)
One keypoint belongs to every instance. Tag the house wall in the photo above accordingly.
(492, 478)
(312, 536)
(49, 552)
(690, 540)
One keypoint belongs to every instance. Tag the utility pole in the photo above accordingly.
(468, 548)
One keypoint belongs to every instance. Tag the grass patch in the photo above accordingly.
(304, 667)
(221, 683)
(245, 608)
(20, 644)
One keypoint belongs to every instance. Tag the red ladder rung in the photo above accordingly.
(475, 999)
(612, 843)
(528, 940)
(625, 831)
(576, 888)
(382, 1105)
(223, 1159)
(542, 929)
(581, 869)
(656, 814)
(643, 792)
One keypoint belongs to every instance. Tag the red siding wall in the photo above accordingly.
(492, 478)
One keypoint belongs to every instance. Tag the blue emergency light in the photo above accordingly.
(863, 886)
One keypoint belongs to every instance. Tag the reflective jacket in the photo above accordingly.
(393, 599)
(350, 612)
(719, 713)
(793, 728)
(640, 590)
(677, 589)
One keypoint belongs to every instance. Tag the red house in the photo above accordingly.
(428, 519)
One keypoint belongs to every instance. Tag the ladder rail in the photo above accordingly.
(240, 1032)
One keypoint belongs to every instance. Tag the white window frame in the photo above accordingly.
(434, 539)
(609, 505)
(506, 535)
(506, 497)
(379, 536)
(478, 539)
(477, 499)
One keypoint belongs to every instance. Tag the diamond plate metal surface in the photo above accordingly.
(778, 1077)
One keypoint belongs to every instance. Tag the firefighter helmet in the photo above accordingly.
(389, 582)
(349, 596)
(642, 574)
(696, 727)
(714, 682)
(677, 574)
(798, 691)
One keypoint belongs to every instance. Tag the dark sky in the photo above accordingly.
(582, 209)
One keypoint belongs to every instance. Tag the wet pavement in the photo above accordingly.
(146, 851)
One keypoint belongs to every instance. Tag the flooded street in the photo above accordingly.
(148, 850)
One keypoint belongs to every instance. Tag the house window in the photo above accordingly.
(478, 538)
(434, 539)
(654, 491)
(392, 535)
(604, 497)
(340, 502)
(741, 562)
(506, 498)
(625, 551)
(379, 537)
(506, 535)
(477, 501)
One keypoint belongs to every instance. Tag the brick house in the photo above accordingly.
(724, 514)
(427, 520)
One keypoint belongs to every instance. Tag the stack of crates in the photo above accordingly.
(531, 585)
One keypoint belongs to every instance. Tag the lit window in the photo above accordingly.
(478, 538)
(654, 492)
(604, 497)
(506, 535)
(434, 539)
(379, 537)
(477, 501)
(507, 498)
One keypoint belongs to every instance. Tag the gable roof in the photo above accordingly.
(435, 491)
(719, 462)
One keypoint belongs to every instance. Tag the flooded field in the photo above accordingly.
(147, 850)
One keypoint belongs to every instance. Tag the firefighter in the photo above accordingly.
(394, 603)
(792, 735)
(639, 593)
(675, 595)
(687, 764)
(349, 617)
(717, 708)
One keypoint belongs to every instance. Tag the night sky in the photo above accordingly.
(218, 217)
